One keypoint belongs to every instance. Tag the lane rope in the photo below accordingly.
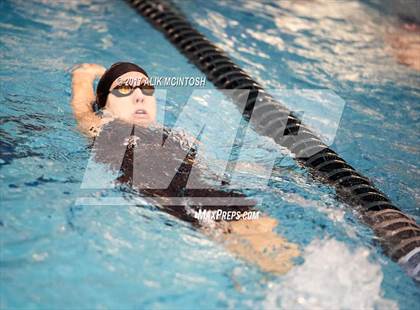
(398, 233)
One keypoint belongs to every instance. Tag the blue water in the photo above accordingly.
(55, 253)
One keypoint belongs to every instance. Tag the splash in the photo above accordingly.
(332, 277)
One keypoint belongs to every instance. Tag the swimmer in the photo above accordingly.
(132, 103)
(403, 34)
(405, 43)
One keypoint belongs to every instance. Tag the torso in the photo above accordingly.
(145, 164)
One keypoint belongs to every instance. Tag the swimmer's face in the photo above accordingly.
(135, 108)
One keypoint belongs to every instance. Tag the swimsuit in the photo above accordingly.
(125, 146)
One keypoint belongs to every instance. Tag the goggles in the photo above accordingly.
(127, 90)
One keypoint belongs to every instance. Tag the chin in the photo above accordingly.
(142, 122)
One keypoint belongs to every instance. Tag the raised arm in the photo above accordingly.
(83, 96)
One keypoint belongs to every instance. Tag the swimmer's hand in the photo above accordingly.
(256, 241)
(92, 71)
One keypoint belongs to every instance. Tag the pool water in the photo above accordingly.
(57, 253)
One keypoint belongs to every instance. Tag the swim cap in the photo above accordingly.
(110, 75)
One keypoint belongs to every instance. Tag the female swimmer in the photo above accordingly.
(124, 97)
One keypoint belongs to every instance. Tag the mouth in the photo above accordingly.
(140, 113)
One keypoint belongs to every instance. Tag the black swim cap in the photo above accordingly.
(110, 75)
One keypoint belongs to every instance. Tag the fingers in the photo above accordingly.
(99, 70)
(89, 69)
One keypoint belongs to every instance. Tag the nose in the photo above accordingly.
(138, 96)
